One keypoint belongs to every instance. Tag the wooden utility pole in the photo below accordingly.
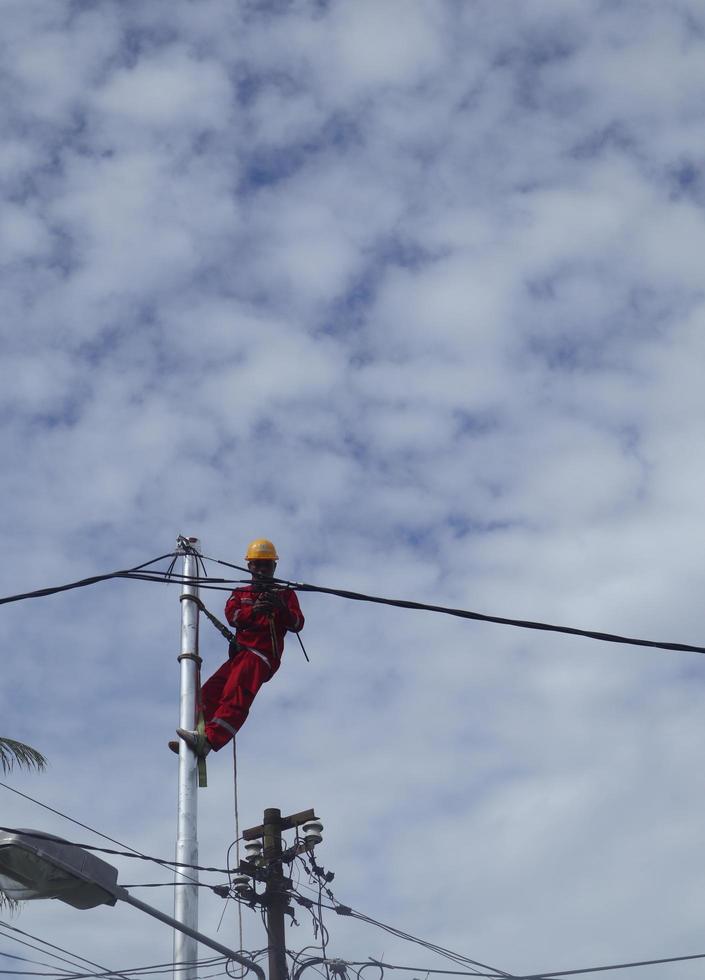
(274, 895)
(271, 872)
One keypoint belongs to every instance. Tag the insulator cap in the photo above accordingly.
(313, 832)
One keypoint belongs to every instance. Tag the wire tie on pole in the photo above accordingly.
(190, 656)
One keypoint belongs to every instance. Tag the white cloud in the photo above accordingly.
(414, 289)
(22, 234)
(169, 89)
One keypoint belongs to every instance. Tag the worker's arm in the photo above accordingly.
(238, 611)
(284, 605)
(292, 617)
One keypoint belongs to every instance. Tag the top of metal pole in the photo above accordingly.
(186, 545)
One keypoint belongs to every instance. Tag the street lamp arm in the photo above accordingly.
(124, 896)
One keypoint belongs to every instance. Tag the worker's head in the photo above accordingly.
(261, 557)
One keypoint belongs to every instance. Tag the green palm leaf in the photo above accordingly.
(8, 904)
(12, 752)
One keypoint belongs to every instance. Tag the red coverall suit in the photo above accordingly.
(254, 658)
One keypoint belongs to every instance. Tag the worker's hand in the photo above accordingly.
(263, 606)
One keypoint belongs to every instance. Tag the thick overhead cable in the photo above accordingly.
(225, 585)
(479, 617)
(81, 583)
(504, 621)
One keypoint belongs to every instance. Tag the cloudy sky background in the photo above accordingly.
(414, 288)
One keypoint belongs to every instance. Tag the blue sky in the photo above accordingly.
(414, 288)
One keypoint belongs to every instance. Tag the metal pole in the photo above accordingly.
(186, 888)
(193, 934)
(275, 897)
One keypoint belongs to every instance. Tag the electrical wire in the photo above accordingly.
(635, 964)
(170, 884)
(445, 610)
(34, 946)
(139, 573)
(367, 966)
(295, 957)
(337, 907)
(27, 959)
(480, 617)
(169, 968)
(611, 966)
(318, 873)
(325, 937)
(432, 947)
(130, 852)
(459, 958)
(51, 946)
(319, 928)
(107, 850)
(311, 964)
(65, 816)
(380, 964)
(236, 844)
(423, 969)
(225, 585)
(81, 583)
(144, 971)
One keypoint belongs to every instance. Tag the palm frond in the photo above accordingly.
(8, 904)
(12, 752)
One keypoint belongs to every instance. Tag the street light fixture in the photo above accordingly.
(37, 865)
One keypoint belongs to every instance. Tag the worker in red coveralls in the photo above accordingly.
(262, 614)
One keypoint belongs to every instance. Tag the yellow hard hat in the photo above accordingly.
(263, 549)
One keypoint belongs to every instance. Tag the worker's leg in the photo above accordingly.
(212, 690)
(247, 674)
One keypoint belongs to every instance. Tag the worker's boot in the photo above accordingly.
(174, 746)
(196, 742)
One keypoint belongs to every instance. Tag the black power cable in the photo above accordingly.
(81, 583)
(501, 620)
(225, 586)
(445, 610)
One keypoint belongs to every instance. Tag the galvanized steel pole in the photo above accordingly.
(186, 889)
